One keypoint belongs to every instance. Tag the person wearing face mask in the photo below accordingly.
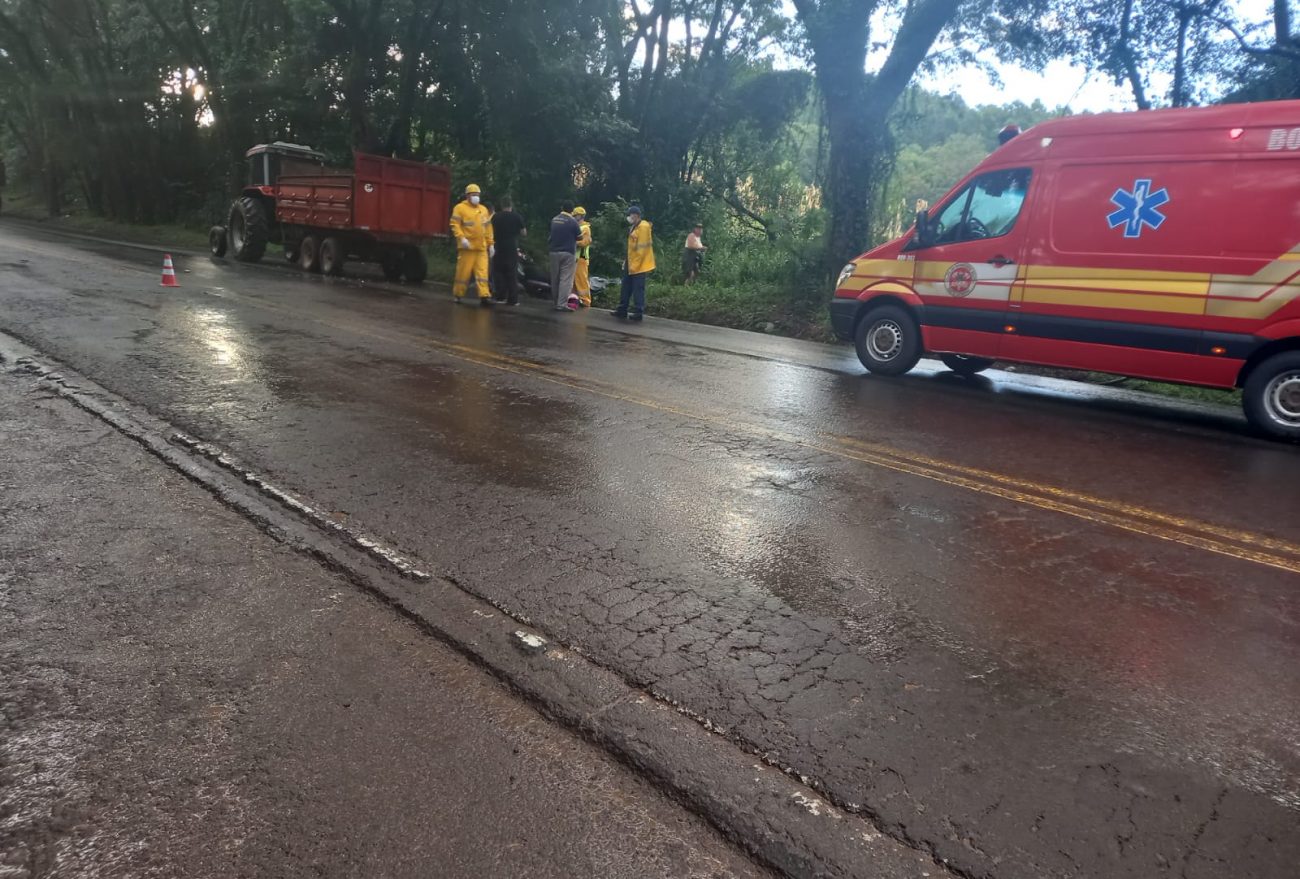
(474, 246)
(582, 274)
(637, 267)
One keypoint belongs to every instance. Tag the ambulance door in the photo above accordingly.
(970, 274)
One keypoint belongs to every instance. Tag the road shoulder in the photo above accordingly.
(183, 695)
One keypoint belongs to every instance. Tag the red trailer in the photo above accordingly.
(383, 210)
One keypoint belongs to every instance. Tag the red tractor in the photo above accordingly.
(382, 211)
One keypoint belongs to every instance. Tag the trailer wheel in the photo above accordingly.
(331, 256)
(391, 262)
(1271, 396)
(309, 255)
(415, 265)
(964, 364)
(249, 229)
(217, 241)
(888, 340)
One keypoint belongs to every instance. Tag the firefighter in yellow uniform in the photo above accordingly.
(474, 243)
(637, 267)
(581, 275)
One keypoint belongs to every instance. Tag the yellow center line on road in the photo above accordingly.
(1117, 507)
(1234, 543)
(1246, 545)
(1201, 535)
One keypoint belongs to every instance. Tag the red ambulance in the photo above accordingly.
(1163, 245)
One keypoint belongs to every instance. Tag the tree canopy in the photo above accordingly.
(797, 127)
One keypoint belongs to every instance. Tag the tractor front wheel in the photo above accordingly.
(250, 229)
(217, 240)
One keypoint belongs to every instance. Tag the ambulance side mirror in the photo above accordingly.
(924, 236)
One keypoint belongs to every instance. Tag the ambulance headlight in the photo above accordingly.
(846, 273)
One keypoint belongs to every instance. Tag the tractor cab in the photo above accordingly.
(267, 162)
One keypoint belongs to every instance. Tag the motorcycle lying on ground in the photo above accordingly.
(536, 280)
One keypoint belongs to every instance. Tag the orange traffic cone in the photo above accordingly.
(169, 273)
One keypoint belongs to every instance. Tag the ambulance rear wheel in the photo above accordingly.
(963, 364)
(888, 340)
(1271, 396)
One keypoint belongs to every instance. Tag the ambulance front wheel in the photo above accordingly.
(888, 340)
(1271, 396)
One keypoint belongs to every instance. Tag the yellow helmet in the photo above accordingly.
(580, 212)
(472, 189)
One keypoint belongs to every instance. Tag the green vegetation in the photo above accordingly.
(76, 219)
(760, 118)
(1182, 392)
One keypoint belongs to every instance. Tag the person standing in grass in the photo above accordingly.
(693, 254)
(638, 265)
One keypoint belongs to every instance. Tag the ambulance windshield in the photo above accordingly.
(986, 208)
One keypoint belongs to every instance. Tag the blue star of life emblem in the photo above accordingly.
(1138, 208)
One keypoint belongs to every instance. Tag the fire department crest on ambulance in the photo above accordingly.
(960, 279)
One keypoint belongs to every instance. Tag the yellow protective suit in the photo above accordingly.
(469, 223)
(581, 274)
(640, 249)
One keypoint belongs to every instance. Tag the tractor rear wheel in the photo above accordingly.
(331, 256)
(415, 265)
(309, 255)
(250, 229)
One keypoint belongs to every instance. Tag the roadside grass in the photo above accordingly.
(762, 308)
(754, 306)
(24, 207)
(1185, 392)
(1214, 396)
(442, 261)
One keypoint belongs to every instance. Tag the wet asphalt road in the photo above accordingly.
(182, 696)
(1036, 630)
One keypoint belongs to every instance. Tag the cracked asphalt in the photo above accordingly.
(181, 695)
(1034, 629)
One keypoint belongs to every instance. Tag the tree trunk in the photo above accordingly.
(398, 142)
(1124, 51)
(1178, 95)
(857, 106)
(848, 178)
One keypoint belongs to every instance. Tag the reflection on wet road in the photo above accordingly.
(1038, 629)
